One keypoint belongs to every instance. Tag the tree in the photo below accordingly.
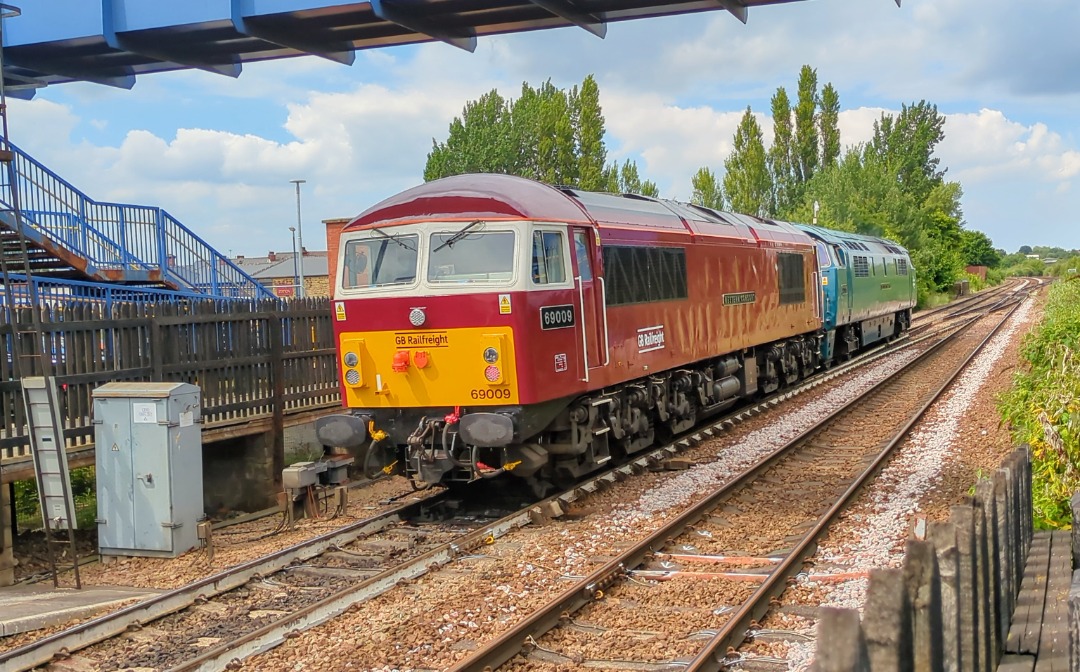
(978, 250)
(830, 126)
(590, 136)
(477, 141)
(707, 191)
(746, 182)
(547, 134)
(907, 145)
(1025, 249)
(780, 155)
(805, 157)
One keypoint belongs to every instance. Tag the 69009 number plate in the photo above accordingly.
(557, 317)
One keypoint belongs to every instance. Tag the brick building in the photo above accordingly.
(278, 271)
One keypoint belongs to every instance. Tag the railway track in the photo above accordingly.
(294, 605)
(688, 577)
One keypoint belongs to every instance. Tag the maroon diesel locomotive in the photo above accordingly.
(490, 324)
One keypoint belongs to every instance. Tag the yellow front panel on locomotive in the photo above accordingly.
(421, 368)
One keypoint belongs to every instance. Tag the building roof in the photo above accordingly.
(280, 265)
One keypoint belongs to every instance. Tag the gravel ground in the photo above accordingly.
(933, 469)
(439, 618)
(237, 544)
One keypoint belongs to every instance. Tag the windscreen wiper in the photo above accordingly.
(394, 238)
(449, 242)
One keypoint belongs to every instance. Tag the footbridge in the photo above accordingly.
(113, 41)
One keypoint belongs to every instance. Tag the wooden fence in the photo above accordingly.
(251, 360)
(950, 606)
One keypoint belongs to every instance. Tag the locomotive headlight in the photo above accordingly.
(417, 317)
(352, 377)
(491, 355)
(351, 359)
(492, 374)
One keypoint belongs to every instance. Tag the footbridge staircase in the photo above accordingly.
(75, 239)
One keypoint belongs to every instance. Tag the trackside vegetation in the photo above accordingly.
(1043, 407)
(891, 186)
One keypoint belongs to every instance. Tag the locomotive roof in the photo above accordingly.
(496, 196)
(855, 241)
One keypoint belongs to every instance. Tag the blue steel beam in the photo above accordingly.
(114, 41)
(462, 38)
(573, 14)
(738, 9)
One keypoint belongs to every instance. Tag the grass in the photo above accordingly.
(1043, 407)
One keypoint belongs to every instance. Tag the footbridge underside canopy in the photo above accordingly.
(112, 41)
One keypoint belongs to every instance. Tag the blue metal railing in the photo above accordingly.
(126, 240)
(66, 292)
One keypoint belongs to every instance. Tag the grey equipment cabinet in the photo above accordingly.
(148, 449)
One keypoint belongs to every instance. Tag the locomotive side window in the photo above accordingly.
(376, 262)
(581, 249)
(792, 280)
(548, 258)
(644, 274)
(474, 257)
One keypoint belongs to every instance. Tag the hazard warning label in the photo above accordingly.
(504, 304)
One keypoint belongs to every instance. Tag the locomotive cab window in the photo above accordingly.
(471, 255)
(380, 260)
(548, 258)
(823, 259)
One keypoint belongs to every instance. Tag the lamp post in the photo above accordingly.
(300, 235)
(292, 230)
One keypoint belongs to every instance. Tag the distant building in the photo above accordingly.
(978, 271)
(333, 232)
(1032, 256)
(277, 271)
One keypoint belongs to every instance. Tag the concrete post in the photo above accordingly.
(984, 497)
(1075, 502)
(943, 537)
(986, 585)
(887, 622)
(1074, 623)
(1007, 536)
(924, 588)
(846, 651)
(7, 552)
(963, 518)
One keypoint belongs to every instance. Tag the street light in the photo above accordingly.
(292, 230)
(300, 235)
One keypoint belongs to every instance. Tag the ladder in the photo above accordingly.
(31, 357)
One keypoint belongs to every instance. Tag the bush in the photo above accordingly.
(83, 491)
(1043, 407)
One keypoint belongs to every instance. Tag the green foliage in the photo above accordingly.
(707, 190)
(806, 128)
(779, 157)
(746, 182)
(83, 491)
(829, 120)
(978, 250)
(547, 134)
(1061, 268)
(907, 144)
(1043, 407)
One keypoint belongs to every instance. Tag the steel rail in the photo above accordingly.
(78, 637)
(103, 627)
(713, 655)
(590, 588)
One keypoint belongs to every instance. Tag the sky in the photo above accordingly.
(218, 153)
